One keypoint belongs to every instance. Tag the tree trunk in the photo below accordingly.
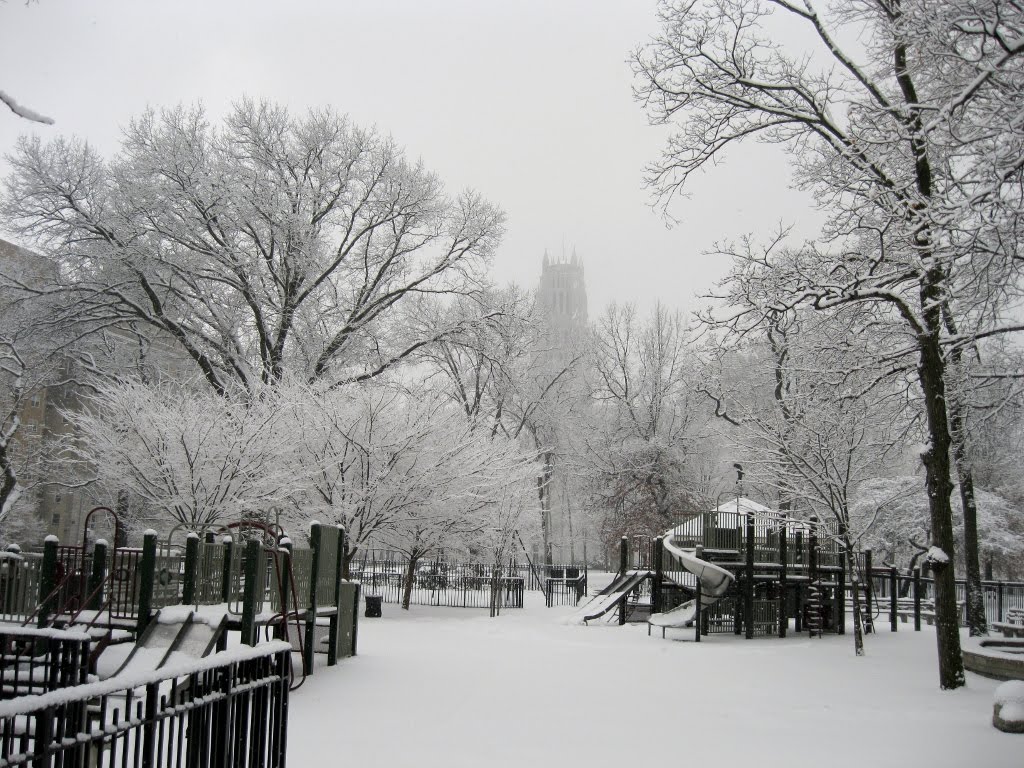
(544, 497)
(858, 625)
(931, 372)
(495, 590)
(976, 619)
(410, 575)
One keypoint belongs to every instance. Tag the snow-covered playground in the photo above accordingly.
(451, 687)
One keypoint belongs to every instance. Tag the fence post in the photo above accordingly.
(783, 618)
(147, 566)
(47, 580)
(748, 591)
(917, 599)
(283, 663)
(250, 565)
(149, 726)
(43, 735)
(222, 741)
(892, 599)
(869, 612)
(97, 574)
(999, 608)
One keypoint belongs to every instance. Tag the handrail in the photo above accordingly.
(284, 613)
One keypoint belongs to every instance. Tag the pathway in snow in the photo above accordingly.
(451, 687)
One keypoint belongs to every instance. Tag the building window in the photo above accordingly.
(35, 400)
(57, 496)
(55, 520)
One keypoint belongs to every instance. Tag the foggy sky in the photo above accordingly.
(528, 102)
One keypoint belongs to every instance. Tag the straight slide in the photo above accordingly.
(611, 596)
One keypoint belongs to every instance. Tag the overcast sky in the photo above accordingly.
(529, 102)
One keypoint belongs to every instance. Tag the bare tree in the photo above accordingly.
(641, 451)
(271, 243)
(895, 137)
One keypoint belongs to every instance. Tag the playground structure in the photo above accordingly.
(740, 568)
(260, 583)
(759, 572)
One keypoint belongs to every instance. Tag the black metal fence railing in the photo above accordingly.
(999, 596)
(230, 710)
(439, 581)
(456, 585)
(564, 585)
(39, 661)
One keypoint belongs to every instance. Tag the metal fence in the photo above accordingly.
(229, 711)
(563, 584)
(999, 596)
(39, 661)
(439, 582)
(457, 585)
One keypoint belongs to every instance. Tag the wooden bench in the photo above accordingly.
(1014, 624)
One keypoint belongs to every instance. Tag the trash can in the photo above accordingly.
(373, 606)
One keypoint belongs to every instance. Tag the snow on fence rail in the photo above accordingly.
(229, 709)
(34, 661)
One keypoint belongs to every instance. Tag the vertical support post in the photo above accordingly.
(48, 581)
(869, 612)
(698, 615)
(841, 600)
(147, 577)
(225, 583)
(659, 570)
(334, 621)
(355, 619)
(315, 545)
(917, 599)
(188, 592)
(97, 574)
(250, 564)
(748, 591)
(783, 586)
(893, 589)
(283, 568)
(801, 562)
(999, 599)
(623, 567)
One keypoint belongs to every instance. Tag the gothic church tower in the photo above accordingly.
(562, 293)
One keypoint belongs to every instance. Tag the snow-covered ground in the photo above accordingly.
(452, 687)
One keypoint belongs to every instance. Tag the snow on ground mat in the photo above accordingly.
(452, 687)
